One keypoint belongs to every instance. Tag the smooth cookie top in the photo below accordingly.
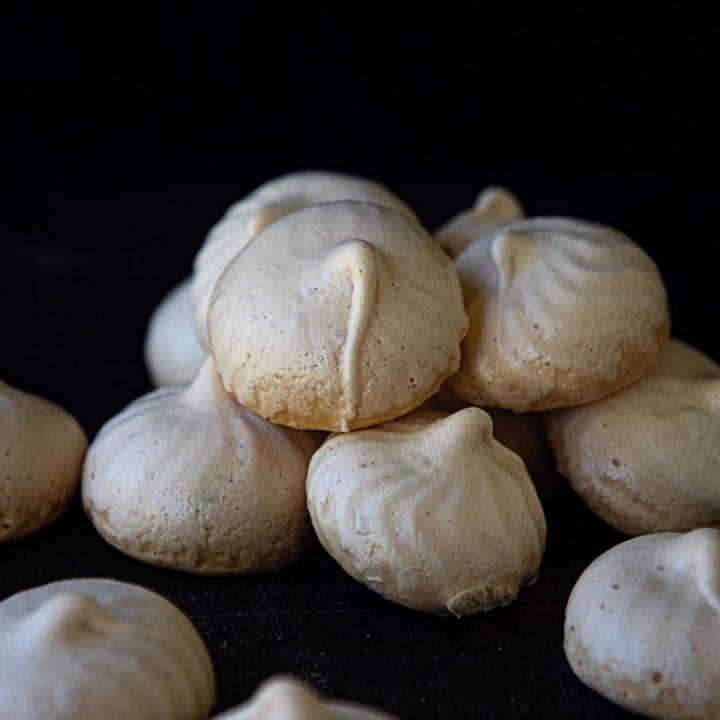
(187, 478)
(41, 455)
(642, 625)
(94, 648)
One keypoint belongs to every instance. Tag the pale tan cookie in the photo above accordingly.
(562, 312)
(275, 198)
(173, 354)
(429, 511)
(642, 626)
(283, 698)
(521, 433)
(41, 454)
(94, 648)
(187, 478)
(647, 458)
(493, 208)
(338, 316)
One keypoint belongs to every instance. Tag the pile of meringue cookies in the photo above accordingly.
(319, 304)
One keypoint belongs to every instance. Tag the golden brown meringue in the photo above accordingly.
(338, 316)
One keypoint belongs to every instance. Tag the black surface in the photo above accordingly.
(128, 130)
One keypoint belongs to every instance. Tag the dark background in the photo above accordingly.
(128, 131)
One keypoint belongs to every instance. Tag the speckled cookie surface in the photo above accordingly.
(642, 625)
(338, 316)
(93, 648)
(430, 511)
(275, 198)
(187, 478)
(282, 698)
(41, 454)
(562, 312)
(646, 459)
(173, 353)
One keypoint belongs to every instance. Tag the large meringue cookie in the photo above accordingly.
(284, 699)
(41, 455)
(647, 458)
(92, 648)
(247, 217)
(337, 316)
(187, 478)
(430, 511)
(642, 626)
(562, 312)
(493, 208)
(173, 354)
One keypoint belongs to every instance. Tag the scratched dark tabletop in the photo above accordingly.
(78, 282)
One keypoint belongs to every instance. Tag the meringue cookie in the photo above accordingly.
(281, 698)
(493, 208)
(646, 458)
(173, 354)
(247, 217)
(338, 316)
(562, 312)
(95, 648)
(642, 625)
(187, 478)
(429, 511)
(41, 454)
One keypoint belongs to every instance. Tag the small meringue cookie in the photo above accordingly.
(493, 208)
(282, 698)
(187, 478)
(41, 455)
(94, 648)
(338, 316)
(562, 312)
(173, 354)
(647, 458)
(430, 511)
(642, 625)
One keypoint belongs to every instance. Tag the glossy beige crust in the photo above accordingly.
(562, 312)
(493, 208)
(247, 217)
(429, 511)
(41, 454)
(339, 316)
(92, 648)
(173, 353)
(282, 698)
(189, 479)
(642, 625)
(647, 458)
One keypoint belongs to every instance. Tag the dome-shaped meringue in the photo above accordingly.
(430, 511)
(493, 208)
(173, 354)
(187, 478)
(282, 698)
(647, 458)
(247, 217)
(41, 454)
(338, 316)
(93, 648)
(562, 312)
(642, 626)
